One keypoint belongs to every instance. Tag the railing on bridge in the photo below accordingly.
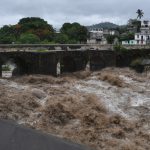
(53, 47)
(64, 47)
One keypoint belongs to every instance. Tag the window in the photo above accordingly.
(142, 37)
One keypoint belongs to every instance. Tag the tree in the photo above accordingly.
(7, 35)
(37, 26)
(61, 38)
(111, 38)
(134, 23)
(75, 32)
(29, 39)
(127, 36)
(140, 13)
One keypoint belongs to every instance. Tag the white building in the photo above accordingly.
(98, 35)
(141, 38)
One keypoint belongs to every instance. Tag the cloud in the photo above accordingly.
(86, 12)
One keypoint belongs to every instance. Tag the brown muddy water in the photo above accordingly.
(106, 110)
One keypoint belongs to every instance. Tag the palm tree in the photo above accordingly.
(140, 13)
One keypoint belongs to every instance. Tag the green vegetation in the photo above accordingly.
(73, 33)
(136, 62)
(137, 65)
(105, 25)
(29, 38)
(140, 13)
(120, 48)
(36, 30)
(126, 36)
(6, 68)
(41, 50)
(111, 38)
(134, 24)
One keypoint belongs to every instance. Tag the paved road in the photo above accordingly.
(15, 137)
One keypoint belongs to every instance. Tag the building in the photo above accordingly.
(141, 38)
(130, 42)
(98, 35)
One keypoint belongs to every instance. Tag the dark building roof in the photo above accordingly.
(15, 137)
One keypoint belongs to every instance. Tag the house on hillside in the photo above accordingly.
(98, 35)
(141, 38)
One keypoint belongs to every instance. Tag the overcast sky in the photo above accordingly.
(86, 12)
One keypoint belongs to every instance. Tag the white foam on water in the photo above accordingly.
(116, 99)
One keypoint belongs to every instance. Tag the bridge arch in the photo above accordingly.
(18, 66)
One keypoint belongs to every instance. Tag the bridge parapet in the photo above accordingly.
(65, 47)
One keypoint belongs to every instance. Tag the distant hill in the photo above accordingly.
(104, 25)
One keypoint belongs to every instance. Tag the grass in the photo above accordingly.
(42, 50)
(6, 68)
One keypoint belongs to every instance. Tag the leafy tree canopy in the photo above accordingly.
(36, 26)
(140, 13)
(7, 35)
(127, 36)
(134, 23)
(27, 26)
(75, 32)
(29, 38)
(62, 38)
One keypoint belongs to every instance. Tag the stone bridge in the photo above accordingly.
(48, 62)
(51, 59)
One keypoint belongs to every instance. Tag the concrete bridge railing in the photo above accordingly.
(34, 47)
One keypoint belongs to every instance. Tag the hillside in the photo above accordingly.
(105, 25)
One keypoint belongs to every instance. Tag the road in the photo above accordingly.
(16, 137)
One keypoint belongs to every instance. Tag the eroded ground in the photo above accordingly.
(106, 110)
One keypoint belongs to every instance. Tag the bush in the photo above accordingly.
(120, 48)
(136, 62)
(29, 39)
(6, 68)
(137, 65)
